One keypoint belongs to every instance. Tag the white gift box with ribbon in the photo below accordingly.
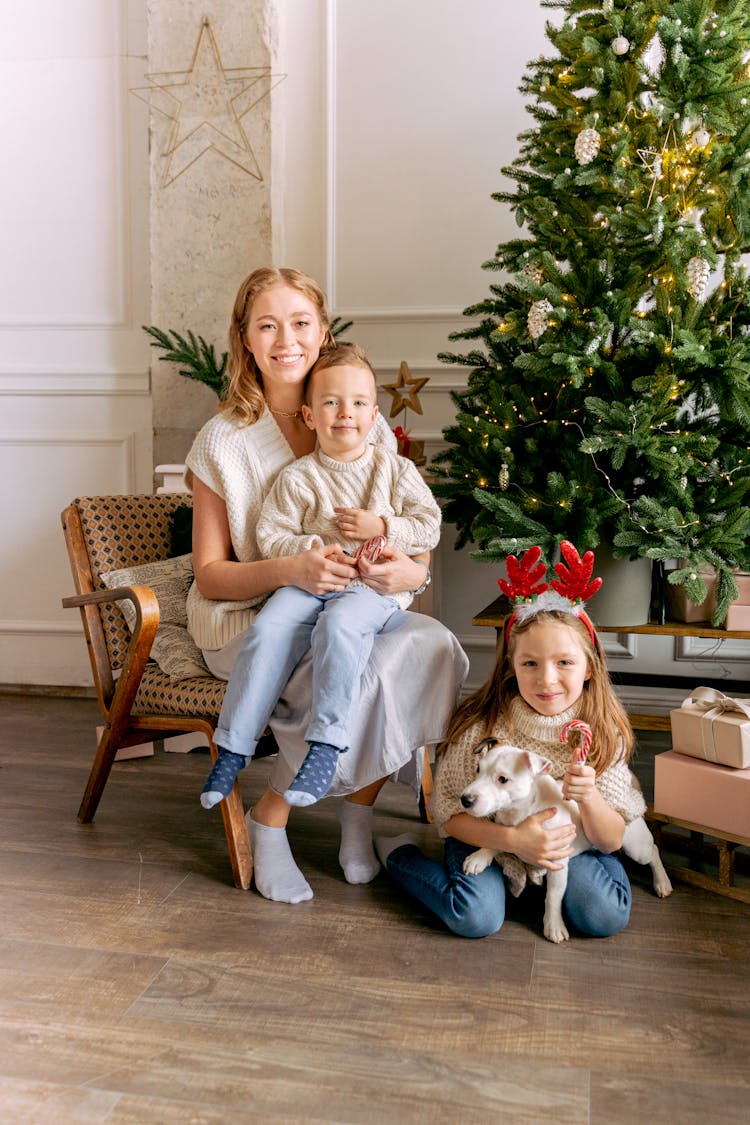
(714, 727)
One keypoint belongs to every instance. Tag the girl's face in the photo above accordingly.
(284, 334)
(550, 667)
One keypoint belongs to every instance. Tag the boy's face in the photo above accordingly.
(342, 410)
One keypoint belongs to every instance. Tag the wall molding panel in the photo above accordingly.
(75, 383)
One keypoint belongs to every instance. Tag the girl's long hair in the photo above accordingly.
(600, 708)
(244, 399)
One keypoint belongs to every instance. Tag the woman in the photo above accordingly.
(279, 325)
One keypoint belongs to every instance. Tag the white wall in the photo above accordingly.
(74, 380)
(389, 132)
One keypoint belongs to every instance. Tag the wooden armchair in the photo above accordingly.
(105, 533)
(136, 698)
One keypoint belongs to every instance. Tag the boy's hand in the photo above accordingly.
(358, 523)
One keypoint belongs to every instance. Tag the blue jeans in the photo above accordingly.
(340, 629)
(596, 902)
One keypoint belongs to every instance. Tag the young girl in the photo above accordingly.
(550, 669)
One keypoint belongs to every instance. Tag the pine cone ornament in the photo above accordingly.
(503, 477)
(534, 271)
(698, 272)
(587, 146)
(538, 319)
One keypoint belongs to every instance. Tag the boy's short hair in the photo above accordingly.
(342, 355)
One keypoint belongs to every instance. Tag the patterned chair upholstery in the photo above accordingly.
(106, 533)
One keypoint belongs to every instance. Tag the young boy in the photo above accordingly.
(374, 495)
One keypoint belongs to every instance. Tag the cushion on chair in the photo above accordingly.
(125, 531)
(157, 694)
(174, 650)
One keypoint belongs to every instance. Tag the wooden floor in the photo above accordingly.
(137, 985)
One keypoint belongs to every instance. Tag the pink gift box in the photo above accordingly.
(738, 617)
(702, 793)
(743, 585)
(713, 726)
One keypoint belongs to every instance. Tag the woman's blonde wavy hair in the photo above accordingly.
(244, 400)
(612, 734)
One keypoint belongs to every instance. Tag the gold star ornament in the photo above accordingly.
(206, 105)
(405, 391)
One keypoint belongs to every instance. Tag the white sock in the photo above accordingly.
(356, 854)
(384, 845)
(276, 874)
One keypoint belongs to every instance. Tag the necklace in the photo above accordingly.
(283, 413)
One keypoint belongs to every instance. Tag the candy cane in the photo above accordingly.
(371, 550)
(583, 731)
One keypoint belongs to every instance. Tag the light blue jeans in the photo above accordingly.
(340, 629)
(596, 903)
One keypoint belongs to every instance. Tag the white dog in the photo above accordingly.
(512, 784)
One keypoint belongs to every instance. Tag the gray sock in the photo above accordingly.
(384, 845)
(356, 854)
(276, 874)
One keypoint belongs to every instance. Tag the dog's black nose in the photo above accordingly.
(466, 800)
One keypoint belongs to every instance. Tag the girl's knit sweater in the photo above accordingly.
(528, 730)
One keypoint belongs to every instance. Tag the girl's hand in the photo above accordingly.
(393, 573)
(321, 570)
(579, 783)
(358, 523)
(540, 846)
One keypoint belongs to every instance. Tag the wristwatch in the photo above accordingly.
(428, 579)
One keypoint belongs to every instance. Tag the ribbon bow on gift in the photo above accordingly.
(402, 437)
(714, 704)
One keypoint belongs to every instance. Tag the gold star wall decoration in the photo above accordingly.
(403, 397)
(206, 105)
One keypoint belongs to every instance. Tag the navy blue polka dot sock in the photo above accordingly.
(222, 777)
(315, 775)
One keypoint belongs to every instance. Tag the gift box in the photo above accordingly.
(680, 609)
(738, 617)
(713, 726)
(702, 793)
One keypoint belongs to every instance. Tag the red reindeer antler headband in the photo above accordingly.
(530, 594)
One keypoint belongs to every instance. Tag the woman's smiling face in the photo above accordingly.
(284, 334)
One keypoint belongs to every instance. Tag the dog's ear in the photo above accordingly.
(538, 764)
(485, 745)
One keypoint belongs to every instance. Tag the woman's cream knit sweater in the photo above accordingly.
(240, 464)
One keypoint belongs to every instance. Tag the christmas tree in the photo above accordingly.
(608, 398)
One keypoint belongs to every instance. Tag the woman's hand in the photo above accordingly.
(358, 523)
(393, 573)
(321, 570)
(540, 846)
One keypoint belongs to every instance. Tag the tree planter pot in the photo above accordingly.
(625, 596)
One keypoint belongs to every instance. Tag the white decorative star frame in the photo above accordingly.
(206, 105)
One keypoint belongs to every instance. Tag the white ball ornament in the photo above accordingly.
(587, 146)
(620, 45)
(701, 138)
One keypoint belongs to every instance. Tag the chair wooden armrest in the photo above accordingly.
(108, 533)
